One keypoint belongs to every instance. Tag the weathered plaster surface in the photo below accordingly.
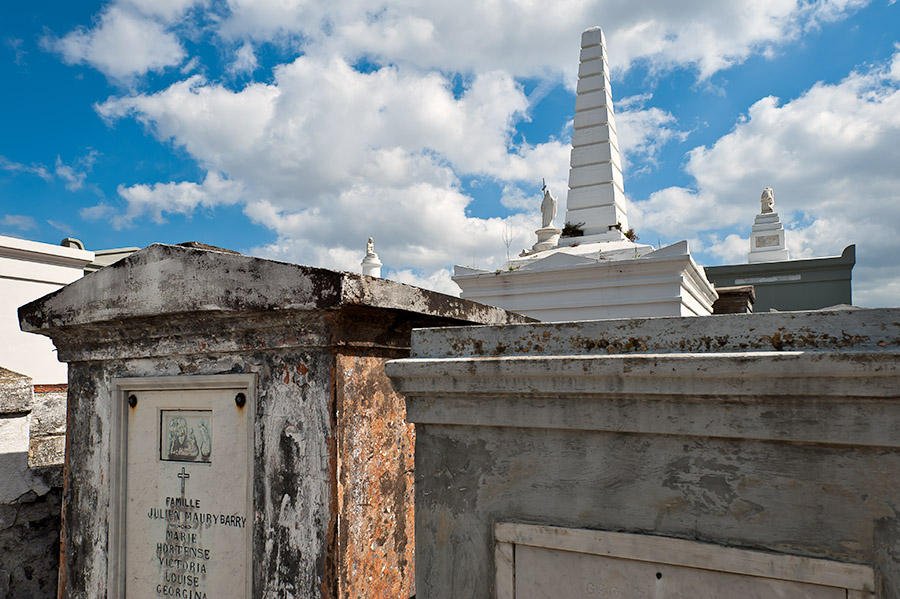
(768, 431)
(846, 330)
(293, 520)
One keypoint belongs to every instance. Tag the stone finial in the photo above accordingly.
(371, 265)
(767, 201)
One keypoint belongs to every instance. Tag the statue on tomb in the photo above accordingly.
(548, 207)
(370, 247)
(767, 201)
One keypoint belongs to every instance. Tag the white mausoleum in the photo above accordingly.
(602, 273)
(29, 270)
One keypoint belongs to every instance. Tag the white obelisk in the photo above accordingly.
(596, 194)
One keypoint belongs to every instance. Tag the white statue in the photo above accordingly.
(548, 207)
(767, 201)
(370, 247)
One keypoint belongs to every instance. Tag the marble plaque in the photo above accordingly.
(767, 241)
(187, 512)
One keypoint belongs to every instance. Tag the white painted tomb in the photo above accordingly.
(603, 273)
(767, 242)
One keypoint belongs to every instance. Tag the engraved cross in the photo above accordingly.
(183, 475)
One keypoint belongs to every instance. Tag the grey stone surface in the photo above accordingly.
(29, 497)
(15, 393)
(47, 435)
(29, 546)
(844, 330)
(170, 311)
(765, 431)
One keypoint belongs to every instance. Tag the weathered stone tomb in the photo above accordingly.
(750, 456)
(231, 432)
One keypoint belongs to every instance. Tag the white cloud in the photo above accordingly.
(164, 10)
(326, 156)
(244, 60)
(122, 44)
(732, 249)
(642, 131)
(38, 170)
(65, 228)
(74, 180)
(160, 199)
(18, 221)
(831, 156)
(528, 39)
(439, 280)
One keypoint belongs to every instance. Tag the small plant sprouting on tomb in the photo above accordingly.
(573, 230)
(631, 236)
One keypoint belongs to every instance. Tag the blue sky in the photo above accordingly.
(295, 129)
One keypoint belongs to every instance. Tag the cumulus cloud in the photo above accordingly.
(439, 280)
(831, 156)
(327, 155)
(533, 39)
(643, 131)
(128, 39)
(244, 60)
(159, 199)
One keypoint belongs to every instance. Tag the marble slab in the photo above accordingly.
(187, 511)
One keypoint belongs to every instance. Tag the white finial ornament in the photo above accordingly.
(371, 265)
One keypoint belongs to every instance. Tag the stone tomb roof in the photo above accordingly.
(169, 279)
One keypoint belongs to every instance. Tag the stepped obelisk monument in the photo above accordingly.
(767, 242)
(594, 268)
(596, 189)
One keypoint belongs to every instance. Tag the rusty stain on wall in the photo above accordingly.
(375, 483)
